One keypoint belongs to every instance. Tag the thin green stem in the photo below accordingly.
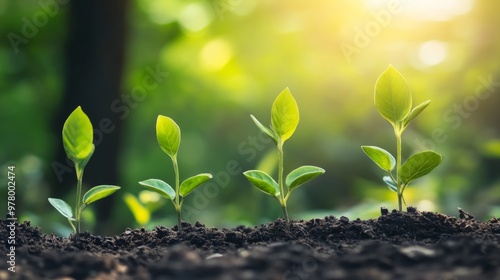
(280, 180)
(177, 202)
(79, 177)
(397, 131)
(72, 226)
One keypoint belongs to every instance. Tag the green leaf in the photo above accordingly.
(77, 136)
(80, 165)
(264, 129)
(380, 156)
(284, 115)
(263, 182)
(392, 96)
(99, 192)
(415, 112)
(159, 187)
(419, 165)
(302, 175)
(390, 183)
(168, 135)
(190, 184)
(62, 207)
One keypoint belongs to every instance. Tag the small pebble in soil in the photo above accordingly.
(464, 215)
(411, 209)
(344, 220)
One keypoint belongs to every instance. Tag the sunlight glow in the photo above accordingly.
(195, 17)
(215, 54)
(442, 10)
(432, 53)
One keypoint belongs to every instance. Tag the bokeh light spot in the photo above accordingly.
(195, 17)
(215, 54)
(432, 53)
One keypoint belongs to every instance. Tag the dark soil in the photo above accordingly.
(397, 245)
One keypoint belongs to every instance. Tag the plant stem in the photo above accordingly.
(280, 180)
(286, 212)
(397, 131)
(177, 192)
(79, 177)
(72, 226)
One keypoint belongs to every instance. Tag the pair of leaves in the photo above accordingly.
(77, 137)
(296, 178)
(284, 117)
(165, 190)
(94, 194)
(415, 167)
(393, 99)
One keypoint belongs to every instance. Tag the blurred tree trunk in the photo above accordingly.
(94, 61)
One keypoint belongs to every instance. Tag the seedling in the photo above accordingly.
(77, 137)
(168, 135)
(394, 101)
(284, 121)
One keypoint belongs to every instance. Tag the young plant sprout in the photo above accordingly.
(168, 135)
(77, 137)
(284, 121)
(394, 101)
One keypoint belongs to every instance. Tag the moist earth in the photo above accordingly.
(397, 245)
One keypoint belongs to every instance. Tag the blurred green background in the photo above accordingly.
(210, 64)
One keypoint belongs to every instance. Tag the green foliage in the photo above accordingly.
(168, 135)
(159, 187)
(284, 121)
(263, 182)
(99, 192)
(392, 96)
(190, 184)
(62, 207)
(419, 165)
(284, 115)
(302, 175)
(77, 137)
(393, 101)
(381, 157)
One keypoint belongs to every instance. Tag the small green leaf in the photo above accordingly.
(99, 192)
(263, 182)
(77, 136)
(390, 183)
(159, 187)
(168, 135)
(419, 165)
(392, 96)
(62, 207)
(302, 175)
(190, 184)
(380, 156)
(415, 112)
(264, 129)
(284, 115)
